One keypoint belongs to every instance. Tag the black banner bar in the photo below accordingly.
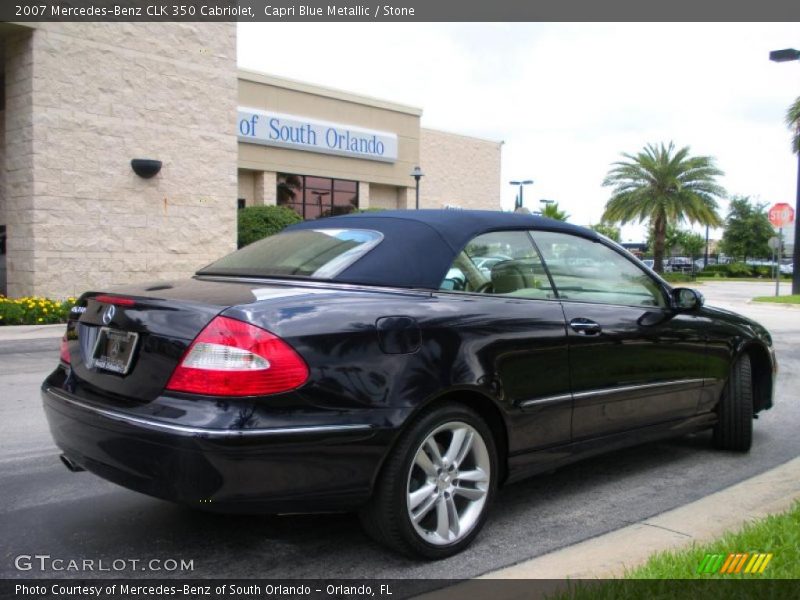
(31, 11)
(394, 589)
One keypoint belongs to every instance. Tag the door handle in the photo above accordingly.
(585, 326)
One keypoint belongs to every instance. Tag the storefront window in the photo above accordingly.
(315, 197)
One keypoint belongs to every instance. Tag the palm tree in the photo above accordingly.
(793, 121)
(665, 186)
(551, 211)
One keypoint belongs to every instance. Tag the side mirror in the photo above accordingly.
(687, 299)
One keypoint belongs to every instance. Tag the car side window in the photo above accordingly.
(503, 263)
(590, 271)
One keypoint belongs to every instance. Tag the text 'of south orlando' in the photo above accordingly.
(334, 10)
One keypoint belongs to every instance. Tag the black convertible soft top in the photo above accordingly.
(419, 246)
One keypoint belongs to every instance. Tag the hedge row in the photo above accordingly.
(677, 277)
(34, 310)
(257, 222)
(738, 269)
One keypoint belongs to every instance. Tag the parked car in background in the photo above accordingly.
(485, 263)
(679, 264)
(787, 269)
(336, 367)
(700, 263)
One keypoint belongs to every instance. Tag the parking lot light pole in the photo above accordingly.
(785, 55)
(417, 174)
(521, 184)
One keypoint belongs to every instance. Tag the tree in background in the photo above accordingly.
(551, 211)
(691, 243)
(679, 241)
(747, 229)
(665, 186)
(793, 121)
(609, 230)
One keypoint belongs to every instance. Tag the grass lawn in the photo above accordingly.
(777, 534)
(784, 279)
(793, 299)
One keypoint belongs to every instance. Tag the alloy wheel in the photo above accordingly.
(448, 483)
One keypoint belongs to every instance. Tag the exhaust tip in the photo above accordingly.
(71, 466)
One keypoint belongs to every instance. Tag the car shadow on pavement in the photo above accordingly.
(528, 519)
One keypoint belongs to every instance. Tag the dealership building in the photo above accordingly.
(126, 150)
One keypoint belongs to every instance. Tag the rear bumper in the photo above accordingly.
(326, 466)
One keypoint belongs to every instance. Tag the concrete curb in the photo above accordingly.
(762, 303)
(14, 333)
(611, 554)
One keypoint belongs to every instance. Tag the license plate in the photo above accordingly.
(113, 350)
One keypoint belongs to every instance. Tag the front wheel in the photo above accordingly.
(437, 485)
(734, 428)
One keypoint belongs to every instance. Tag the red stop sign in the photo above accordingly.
(781, 214)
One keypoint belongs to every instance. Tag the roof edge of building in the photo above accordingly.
(318, 90)
(464, 135)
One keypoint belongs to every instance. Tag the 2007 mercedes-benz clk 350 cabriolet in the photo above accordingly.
(402, 364)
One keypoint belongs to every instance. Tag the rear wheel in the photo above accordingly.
(437, 485)
(734, 429)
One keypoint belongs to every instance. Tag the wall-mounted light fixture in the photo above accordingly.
(146, 167)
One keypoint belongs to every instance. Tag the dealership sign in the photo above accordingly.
(300, 133)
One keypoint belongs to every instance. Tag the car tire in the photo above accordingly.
(435, 489)
(734, 428)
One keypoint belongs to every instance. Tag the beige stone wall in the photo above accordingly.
(86, 98)
(18, 185)
(247, 186)
(3, 288)
(459, 170)
(383, 196)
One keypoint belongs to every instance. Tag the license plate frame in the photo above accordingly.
(120, 362)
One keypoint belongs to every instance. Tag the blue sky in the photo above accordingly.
(567, 99)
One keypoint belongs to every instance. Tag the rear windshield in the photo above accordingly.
(312, 253)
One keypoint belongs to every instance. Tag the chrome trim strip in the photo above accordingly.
(547, 400)
(635, 388)
(204, 432)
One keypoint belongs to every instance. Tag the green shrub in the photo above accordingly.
(677, 277)
(715, 270)
(739, 270)
(258, 222)
(34, 310)
(763, 271)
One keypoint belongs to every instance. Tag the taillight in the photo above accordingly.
(118, 300)
(232, 358)
(65, 350)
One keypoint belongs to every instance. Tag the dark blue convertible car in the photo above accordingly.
(367, 363)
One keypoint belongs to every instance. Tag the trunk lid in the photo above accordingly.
(125, 345)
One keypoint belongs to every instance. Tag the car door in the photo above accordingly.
(634, 361)
(517, 332)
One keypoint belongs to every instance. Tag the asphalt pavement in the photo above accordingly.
(47, 510)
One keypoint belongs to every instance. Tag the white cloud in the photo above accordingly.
(567, 99)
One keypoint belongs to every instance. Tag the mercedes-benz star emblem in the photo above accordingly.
(108, 313)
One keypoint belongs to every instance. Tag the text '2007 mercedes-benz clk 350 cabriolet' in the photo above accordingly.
(367, 363)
